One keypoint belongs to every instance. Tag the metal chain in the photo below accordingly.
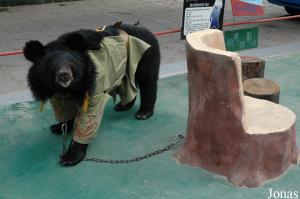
(176, 142)
(64, 129)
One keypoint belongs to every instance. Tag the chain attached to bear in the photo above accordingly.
(176, 143)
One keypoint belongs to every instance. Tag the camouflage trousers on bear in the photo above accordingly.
(86, 123)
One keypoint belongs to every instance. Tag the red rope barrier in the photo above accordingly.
(262, 20)
(175, 30)
(167, 32)
(18, 52)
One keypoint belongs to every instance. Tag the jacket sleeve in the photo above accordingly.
(87, 123)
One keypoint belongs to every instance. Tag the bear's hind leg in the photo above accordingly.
(148, 98)
(119, 107)
(146, 77)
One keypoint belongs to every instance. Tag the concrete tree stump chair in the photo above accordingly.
(245, 139)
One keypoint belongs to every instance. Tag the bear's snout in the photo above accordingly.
(64, 76)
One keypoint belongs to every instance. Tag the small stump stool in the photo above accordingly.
(262, 89)
(252, 67)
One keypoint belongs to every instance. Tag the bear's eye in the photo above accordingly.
(50, 68)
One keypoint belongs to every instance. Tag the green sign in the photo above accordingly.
(241, 39)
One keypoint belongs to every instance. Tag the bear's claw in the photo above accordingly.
(75, 154)
(143, 115)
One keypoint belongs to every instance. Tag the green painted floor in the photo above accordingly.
(29, 153)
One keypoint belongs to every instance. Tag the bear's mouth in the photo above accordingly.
(65, 84)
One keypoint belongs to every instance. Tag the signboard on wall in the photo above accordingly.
(247, 7)
(256, 2)
(241, 39)
(202, 14)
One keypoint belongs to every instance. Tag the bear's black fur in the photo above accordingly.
(46, 76)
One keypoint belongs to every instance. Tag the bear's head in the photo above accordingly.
(59, 67)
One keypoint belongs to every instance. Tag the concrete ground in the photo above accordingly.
(46, 22)
(29, 153)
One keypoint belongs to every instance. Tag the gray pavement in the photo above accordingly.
(46, 22)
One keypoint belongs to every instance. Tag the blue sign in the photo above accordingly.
(256, 2)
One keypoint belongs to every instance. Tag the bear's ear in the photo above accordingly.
(76, 41)
(117, 24)
(33, 50)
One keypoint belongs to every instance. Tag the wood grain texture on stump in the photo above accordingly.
(262, 89)
(245, 139)
(252, 67)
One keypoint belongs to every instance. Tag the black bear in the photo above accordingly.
(80, 69)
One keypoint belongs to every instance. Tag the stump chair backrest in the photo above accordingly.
(219, 69)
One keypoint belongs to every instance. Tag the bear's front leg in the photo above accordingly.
(75, 154)
(57, 128)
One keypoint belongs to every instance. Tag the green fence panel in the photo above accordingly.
(242, 39)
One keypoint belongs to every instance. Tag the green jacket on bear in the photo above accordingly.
(116, 63)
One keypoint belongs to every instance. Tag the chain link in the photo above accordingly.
(176, 142)
(64, 129)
